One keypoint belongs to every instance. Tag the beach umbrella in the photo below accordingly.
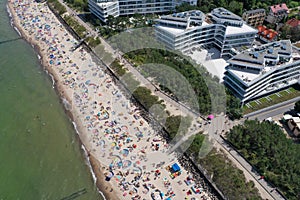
(126, 164)
(125, 152)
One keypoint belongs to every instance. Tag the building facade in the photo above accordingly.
(277, 13)
(187, 30)
(129, 7)
(254, 18)
(104, 8)
(262, 70)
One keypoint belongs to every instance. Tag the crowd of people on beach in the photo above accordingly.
(134, 157)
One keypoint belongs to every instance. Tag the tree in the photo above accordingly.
(236, 7)
(146, 98)
(196, 144)
(177, 125)
(268, 149)
(297, 106)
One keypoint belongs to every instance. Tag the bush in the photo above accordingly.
(177, 125)
(146, 98)
(57, 6)
(79, 29)
(118, 68)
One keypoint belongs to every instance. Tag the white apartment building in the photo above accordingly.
(179, 2)
(103, 8)
(262, 70)
(129, 7)
(191, 29)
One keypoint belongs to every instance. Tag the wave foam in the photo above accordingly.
(8, 11)
(66, 104)
(88, 163)
(75, 127)
(51, 76)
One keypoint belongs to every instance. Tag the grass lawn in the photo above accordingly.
(283, 96)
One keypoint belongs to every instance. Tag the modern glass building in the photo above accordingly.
(191, 29)
(103, 8)
(129, 7)
(262, 70)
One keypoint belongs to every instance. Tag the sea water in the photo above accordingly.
(40, 155)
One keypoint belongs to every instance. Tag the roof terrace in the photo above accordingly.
(182, 20)
(185, 16)
(222, 13)
(254, 62)
(275, 53)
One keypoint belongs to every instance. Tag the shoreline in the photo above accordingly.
(80, 91)
(90, 161)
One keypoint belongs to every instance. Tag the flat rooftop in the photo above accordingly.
(173, 31)
(260, 10)
(178, 31)
(223, 13)
(258, 56)
(106, 4)
(186, 15)
(232, 30)
(247, 77)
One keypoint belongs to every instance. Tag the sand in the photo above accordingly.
(118, 140)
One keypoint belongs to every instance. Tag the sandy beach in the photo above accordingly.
(128, 157)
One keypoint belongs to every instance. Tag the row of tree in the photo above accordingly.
(269, 150)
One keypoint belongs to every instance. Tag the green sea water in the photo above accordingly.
(40, 155)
